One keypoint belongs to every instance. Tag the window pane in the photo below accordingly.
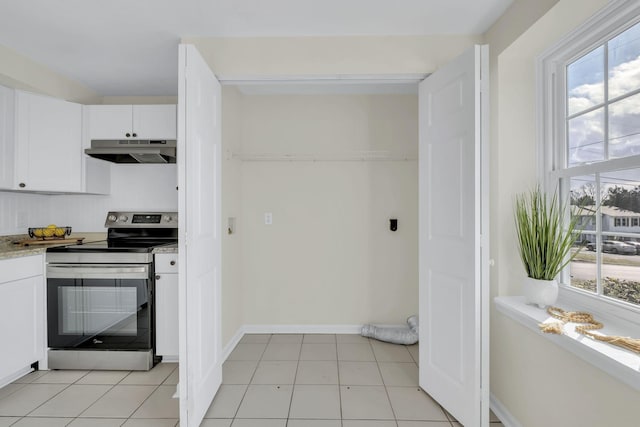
(624, 127)
(583, 197)
(585, 82)
(621, 254)
(621, 267)
(620, 200)
(586, 140)
(624, 62)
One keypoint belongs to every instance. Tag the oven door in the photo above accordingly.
(100, 306)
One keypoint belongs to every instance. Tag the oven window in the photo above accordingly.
(94, 310)
(113, 314)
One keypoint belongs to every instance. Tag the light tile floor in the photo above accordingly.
(92, 399)
(283, 380)
(290, 380)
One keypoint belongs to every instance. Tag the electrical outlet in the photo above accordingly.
(268, 218)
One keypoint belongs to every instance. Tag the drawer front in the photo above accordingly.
(21, 268)
(166, 263)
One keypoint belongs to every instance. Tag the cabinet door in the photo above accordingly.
(21, 315)
(110, 121)
(7, 143)
(49, 144)
(167, 315)
(154, 121)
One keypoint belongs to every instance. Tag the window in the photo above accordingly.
(590, 113)
(621, 222)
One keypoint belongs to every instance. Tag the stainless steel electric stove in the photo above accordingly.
(100, 296)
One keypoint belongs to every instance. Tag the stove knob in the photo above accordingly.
(168, 218)
(112, 218)
(123, 218)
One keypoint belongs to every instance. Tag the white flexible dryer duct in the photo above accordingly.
(395, 335)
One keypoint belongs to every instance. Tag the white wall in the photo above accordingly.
(539, 383)
(18, 211)
(232, 303)
(329, 258)
(133, 187)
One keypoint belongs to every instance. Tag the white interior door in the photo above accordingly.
(199, 167)
(454, 286)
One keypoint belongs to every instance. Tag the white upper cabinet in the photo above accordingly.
(48, 138)
(132, 122)
(154, 121)
(110, 121)
(42, 141)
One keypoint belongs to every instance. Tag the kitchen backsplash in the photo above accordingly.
(18, 211)
(133, 187)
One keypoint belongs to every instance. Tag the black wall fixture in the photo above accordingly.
(393, 224)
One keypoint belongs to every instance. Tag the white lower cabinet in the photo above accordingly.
(167, 305)
(22, 311)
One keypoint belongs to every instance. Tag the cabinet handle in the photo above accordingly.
(135, 135)
(158, 277)
(172, 263)
(22, 185)
(128, 135)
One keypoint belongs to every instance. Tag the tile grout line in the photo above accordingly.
(293, 387)
(148, 397)
(339, 382)
(66, 387)
(393, 411)
(246, 390)
(111, 388)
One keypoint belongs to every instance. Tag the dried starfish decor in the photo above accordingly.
(587, 325)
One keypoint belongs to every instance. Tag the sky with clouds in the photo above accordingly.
(585, 84)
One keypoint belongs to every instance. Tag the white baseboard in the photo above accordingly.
(226, 351)
(16, 375)
(302, 329)
(503, 413)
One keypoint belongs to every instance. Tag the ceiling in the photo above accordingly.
(129, 47)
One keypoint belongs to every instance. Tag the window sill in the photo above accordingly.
(622, 364)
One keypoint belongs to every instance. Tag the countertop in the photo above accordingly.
(9, 249)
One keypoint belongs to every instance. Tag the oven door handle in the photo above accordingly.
(98, 271)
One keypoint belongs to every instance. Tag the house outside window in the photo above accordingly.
(621, 222)
(590, 115)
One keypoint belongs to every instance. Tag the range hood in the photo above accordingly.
(134, 151)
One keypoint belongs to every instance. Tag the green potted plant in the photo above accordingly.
(544, 243)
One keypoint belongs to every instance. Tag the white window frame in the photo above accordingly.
(613, 19)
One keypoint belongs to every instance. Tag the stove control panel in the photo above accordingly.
(142, 220)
